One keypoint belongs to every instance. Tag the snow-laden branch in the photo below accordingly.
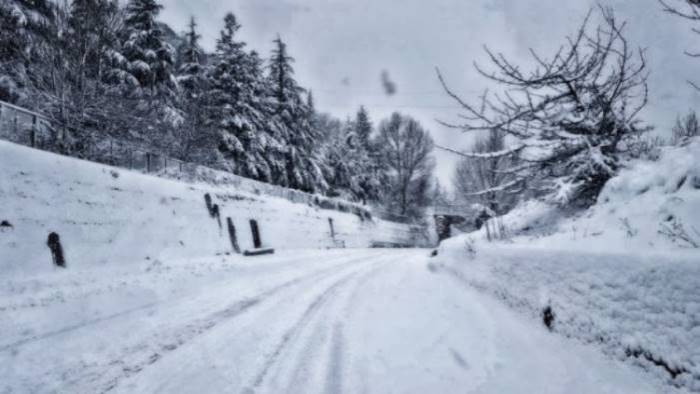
(484, 155)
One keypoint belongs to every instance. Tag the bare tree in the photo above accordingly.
(477, 180)
(690, 10)
(568, 114)
(407, 150)
(686, 127)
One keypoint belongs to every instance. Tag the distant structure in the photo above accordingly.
(447, 215)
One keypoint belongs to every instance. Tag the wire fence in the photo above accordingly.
(35, 130)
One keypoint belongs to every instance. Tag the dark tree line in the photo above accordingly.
(103, 69)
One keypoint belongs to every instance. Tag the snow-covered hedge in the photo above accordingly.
(644, 308)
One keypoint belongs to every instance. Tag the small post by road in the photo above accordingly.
(54, 244)
(232, 235)
(257, 243)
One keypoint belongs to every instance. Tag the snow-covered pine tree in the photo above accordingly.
(24, 31)
(240, 113)
(190, 74)
(363, 127)
(192, 139)
(149, 59)
(303, 166)
(343, 163)
(371, 176)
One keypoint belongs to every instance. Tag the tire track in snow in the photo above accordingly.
(328, 325)
(293, 332)
(334, 376)
(201, 326)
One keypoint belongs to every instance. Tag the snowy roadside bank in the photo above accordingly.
(107, 216)
(622, 275)
(641, 308)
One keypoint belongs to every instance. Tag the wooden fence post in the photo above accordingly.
(257, 243)
(32, 132)
(232, 235)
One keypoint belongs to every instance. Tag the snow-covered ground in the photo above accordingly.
(106, 216)
(362, 321)
(650, 205)
(153, 300)
(622, 276)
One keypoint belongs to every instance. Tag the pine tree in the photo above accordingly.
(149, 58)
(190, 73)
(363, 127)
(24, 33)
(247, 140)
(302, 164)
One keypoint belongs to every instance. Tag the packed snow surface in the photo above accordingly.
(356, 321)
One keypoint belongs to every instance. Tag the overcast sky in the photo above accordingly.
(342, 46)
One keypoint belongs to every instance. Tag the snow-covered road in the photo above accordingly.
(364, 321)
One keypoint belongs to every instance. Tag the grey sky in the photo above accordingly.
(342, 46)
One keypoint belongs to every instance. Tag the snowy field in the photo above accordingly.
(361, 321)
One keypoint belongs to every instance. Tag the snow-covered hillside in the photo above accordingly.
(622, 276)
(105, 215)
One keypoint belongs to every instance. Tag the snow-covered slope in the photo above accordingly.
(648, 206)
(105, 215)
(622, 276)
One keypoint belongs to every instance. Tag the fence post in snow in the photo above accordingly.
(54, 244)
(330, 222)
(257, 243)
(32, 132)
(232, 235)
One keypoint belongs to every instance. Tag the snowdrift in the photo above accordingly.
(106, 215)
(622, 276)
